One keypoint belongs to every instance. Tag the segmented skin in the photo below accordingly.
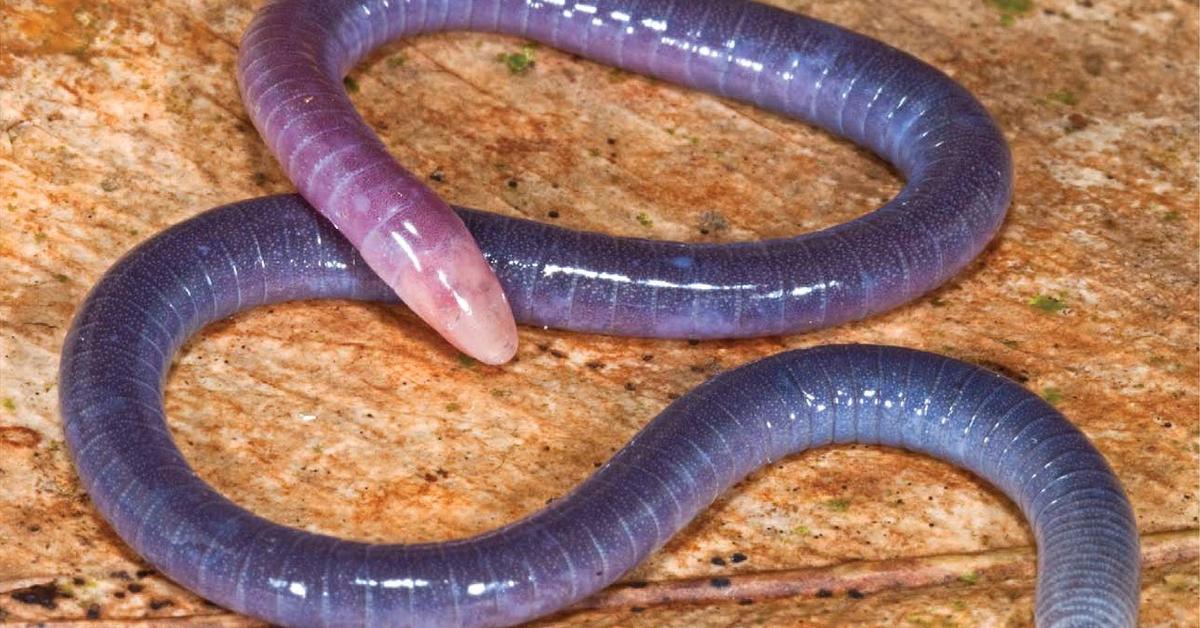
(390, 234)
(267, 250)
(954, 158)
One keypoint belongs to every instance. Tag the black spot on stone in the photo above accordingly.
(135, 588)
(745, 601)
(738, 557)
(438, 175)
(717, 560)
(1006, 371)
(159, 604)
(142, 573)
(824, 593)
(856, 594)
(552, 213)
(93, 611)
(44, 595)
(719, 583)
(637, 609)
(638, 584)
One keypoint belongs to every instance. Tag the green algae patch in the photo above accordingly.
(1047, 303)
(1010, 9)
(1052, 395)
(518, 62)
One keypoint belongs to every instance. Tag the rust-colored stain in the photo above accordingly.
(19, 437)
(118, 119)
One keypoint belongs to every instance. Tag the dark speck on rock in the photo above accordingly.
(719, 583)
(856, 594)
(1077, 122)
(824, 593)
(438, 175)
(159, 604)
(745, 601)
(718, 561)
(135, 588)
(637, 609)
(93, 611)
(142, 573)
(638, 584)
(44, 595)
(512, 183)
(552, 213)
(738, 557)
(1006, 371)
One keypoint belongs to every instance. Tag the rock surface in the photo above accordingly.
(118, 119)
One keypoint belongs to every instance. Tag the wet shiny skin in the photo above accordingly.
(277, 248)
(268, 250)
(955, 160)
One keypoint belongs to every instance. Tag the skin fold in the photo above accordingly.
(274, 249)
(374, 232)
(954, 158)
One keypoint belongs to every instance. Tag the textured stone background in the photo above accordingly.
(119, 119)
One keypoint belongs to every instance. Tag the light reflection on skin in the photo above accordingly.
(549, 270)
(405, 246)
(625, 21)
(298, 589)
(392, 583)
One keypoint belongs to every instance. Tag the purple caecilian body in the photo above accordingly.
(944, 143)
(380, 233)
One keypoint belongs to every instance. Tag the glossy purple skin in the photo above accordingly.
(954, 158)
(957, 165)
(116, 356)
